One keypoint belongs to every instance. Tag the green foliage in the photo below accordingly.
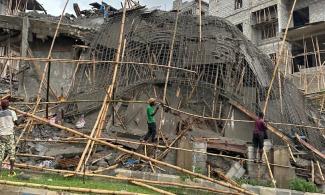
(302, 185)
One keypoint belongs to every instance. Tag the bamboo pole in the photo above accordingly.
(102, 116)
(152, 188)
(228, 185)
(73, 189)
(291, 154)
(67, 61)
(24, 166)
(269, 168)
(280, 92)
(171, 52)
(93, 131)
(28, 126)
(320, 171)
(200, 23)
(278, 60)
(104, 169)
(312, 171)
(35, 156)
(164, 153)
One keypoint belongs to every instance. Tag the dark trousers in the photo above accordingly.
(151, 132)
(258, 140)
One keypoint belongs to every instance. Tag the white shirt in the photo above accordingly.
(7, 118)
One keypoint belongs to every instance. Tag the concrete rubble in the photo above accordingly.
(218, 83)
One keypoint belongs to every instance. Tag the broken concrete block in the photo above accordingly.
(236, 171)
(102, 163)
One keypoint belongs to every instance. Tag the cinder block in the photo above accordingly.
(168, 178)
(150, 176)
(255, 189)
(137, 174)
(297, 193)
(123, 172)
(267, 191)
(283, 192)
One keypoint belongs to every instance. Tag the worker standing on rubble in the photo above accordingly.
(8, 119)
(259, 135)
(151, 112)
(104, 9)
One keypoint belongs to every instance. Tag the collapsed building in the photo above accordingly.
(216, 81)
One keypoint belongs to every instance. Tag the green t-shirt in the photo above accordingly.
(150, 111)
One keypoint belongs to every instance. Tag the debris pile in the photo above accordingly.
(210, 85)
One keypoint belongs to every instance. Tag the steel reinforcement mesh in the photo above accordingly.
(226, 65)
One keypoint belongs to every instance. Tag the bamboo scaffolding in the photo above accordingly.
(24, 166)
(102, 115)
(228, 185)
(164, 153)
(152, 188)
(177, 110)
(35, 156)
(171, 52)
(278, 60)
(108, 62)
(93, 131)
(28, 126)
(73, 189)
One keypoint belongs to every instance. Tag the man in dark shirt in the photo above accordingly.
(259, 135)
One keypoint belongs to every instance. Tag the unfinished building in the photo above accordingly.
(211, 80)
(263, 22)
(191, 7)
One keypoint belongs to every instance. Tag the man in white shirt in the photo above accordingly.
(8, 119)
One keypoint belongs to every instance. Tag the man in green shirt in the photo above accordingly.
(151, 112)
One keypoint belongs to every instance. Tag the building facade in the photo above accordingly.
(264, 21)
(191, 7)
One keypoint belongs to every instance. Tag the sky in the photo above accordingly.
(55, 7)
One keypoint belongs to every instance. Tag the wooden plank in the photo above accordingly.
(252, 115)
(310, 147)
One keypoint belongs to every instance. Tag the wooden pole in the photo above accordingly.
(61, 188)
(291, 154)
(48, 90)
(152, 188)
(312, 171)
(320, 171)
(244, 191)
(28, 126)
(36, 156)
(24, 166)
(269, 168)
(68, 61)
(102, 115)
(93, 131)
(279, 59)
(200, 23)
(171, 52)
(163, 154)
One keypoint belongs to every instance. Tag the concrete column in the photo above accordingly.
(200, 159)
(23, 53)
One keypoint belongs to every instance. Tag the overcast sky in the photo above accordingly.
(54, 7)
